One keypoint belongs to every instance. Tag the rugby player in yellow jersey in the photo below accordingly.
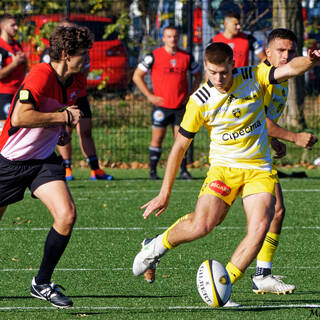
(230, 105)
(281, 49)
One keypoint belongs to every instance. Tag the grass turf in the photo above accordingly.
(96, 266)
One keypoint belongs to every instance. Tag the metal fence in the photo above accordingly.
(124, 32)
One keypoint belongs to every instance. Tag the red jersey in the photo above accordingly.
(169, 74)
(12, 82)
(239, 45)
(42, 88)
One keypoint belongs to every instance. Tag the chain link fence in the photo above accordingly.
(124, 31)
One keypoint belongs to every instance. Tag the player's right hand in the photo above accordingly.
(158, 204)
(155, 100)
(72, 115)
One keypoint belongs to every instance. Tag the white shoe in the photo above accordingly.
(271, 284)
(231, 304)
(147, 258)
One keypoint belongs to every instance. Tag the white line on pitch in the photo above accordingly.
(140, 228)
(282, 306)
(126, 269)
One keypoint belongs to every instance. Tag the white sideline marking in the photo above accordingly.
(126, 269)
(140, 228)
(281, 306)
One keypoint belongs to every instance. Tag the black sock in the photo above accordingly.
(66, 163)
(262, 271)
(154, 156)
(93, 162)
(53, 250)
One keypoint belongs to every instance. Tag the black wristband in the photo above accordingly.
(69, 118)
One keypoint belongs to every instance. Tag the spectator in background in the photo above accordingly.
(240, 42)
(32, 130)
(84, 129)
(12, 64)
(169, 67)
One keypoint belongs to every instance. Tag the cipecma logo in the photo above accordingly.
(243, 132)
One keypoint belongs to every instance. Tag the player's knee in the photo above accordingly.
(202, 229)
(67, 217)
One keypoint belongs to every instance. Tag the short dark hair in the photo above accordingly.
(282, 33)
(218, 52)
(6, 16)
(170, 27)
(232, 14)
(69, 40)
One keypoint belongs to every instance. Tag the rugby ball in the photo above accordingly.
(213, 282)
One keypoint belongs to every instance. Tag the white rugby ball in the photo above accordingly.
(213, 282)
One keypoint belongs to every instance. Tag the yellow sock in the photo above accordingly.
(269, 247)
(234, 273)
(165, 241)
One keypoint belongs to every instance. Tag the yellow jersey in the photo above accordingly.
(275, 98)
(235, 120)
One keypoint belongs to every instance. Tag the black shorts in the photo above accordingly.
(162, 117)
(17, 176)
(5, 102)
(86, 110)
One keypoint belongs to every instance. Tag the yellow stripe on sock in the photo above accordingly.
(165, 241)
(269, 247)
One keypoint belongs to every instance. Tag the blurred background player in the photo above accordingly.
(281, 48)
(240, 42)
(28, 140)
(169, 67)
(84, 129)
(12, 64)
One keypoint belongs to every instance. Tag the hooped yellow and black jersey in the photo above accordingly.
(235, 120)
(275, 98)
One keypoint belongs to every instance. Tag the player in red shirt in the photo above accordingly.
(12, 64)
(240, 42)
(169, 67)
(84, 129)
(33, 129)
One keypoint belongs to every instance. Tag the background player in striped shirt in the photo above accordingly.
(233, 113)
(281, 49)
(28, 140)
(169, 67)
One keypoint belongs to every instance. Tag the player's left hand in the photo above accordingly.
(314, 55)
(305, 140)
(64, 138)
(279, 147)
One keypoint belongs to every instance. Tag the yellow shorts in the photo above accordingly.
(226, 183)
(275, 173)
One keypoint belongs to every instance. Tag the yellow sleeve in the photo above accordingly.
(264, 74)
(193, 117)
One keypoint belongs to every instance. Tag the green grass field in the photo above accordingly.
(96, 266)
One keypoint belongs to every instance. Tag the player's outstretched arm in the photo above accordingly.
(297, 66)
(301, 139)
(160, 203)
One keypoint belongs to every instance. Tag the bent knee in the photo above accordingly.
(67, 217)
